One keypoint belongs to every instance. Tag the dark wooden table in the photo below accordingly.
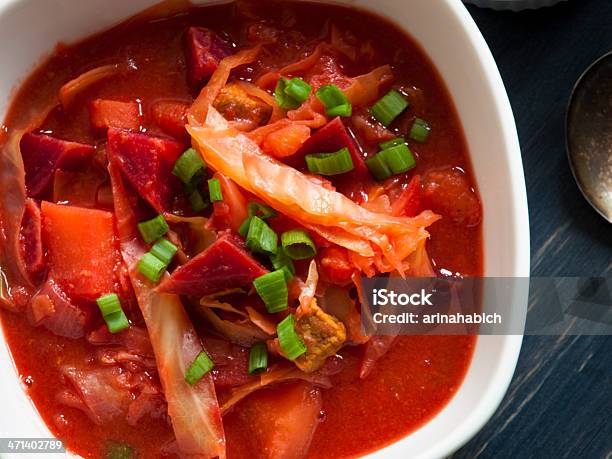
(560, 401)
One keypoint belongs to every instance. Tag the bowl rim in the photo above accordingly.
(511, 343)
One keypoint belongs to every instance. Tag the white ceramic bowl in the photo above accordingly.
(30, 28)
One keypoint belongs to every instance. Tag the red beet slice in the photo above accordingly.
(147, 163)
(330, 138)
(31, 239)
(225, 264)
(205, 49)
(43, 154)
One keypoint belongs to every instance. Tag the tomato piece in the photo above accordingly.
(448, 192)
(105, 114)
(408, 202)
(82, 249)
(335, 265)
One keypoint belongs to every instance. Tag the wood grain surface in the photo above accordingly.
(559, 404)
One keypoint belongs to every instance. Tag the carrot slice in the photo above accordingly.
(82, 249)
(114, 113)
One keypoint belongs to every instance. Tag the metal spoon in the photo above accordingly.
(589, 135)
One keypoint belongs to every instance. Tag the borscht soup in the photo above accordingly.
(189, 203)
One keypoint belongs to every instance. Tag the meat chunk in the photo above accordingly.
(31, 248)
(448, 192)
(43, 155)
(223, 265)
(205, 49)
(105, 114)
(322, 333)
(147, 163)
(235, 104)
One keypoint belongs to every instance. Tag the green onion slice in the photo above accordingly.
(420, 130)
(298, 90)
(399, 158)
(290, 342)
(272, 289)
(164, 250)
(281, 261)
(151, 267)
(389, 107)
(244, 227)
(378, 167)
(261, 210)
(335, 163)
(214, 190)
(298, 245)
(392, 143)
(200, 366)
(188, 165)
(198, 204)
(113, 314)
(283, 99)
(153, 229)
(260, 237)
(258, 358)
(116, 450)
(334, 100)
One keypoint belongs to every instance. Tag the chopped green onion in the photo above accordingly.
(283, 99)
(261, 238)
(392, 143)
(109, 304)
(298, 245)
(116, 450)
(164, 250)
(244, 227)
(200, 366)
(113, 314)
(214, 190)
(378, 167)
(198, 204)
(420, 130)
(281, 261)
(290, 342)
(153, 229)
(272, 289)
(335, 163)
(399, 158)
(261, 210)
(392, 160)
(389, 107)
(258, 358)
(298, 90)
(345, 110)
(151, 267)
(195, 184)
(188, 165)
(334, 100)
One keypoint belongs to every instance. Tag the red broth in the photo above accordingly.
(412, 382)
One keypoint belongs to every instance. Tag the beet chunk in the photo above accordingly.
(43, 154)
(330, 138)
(225, 264)
(205, 49)
(147, 163)
(31, 240)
